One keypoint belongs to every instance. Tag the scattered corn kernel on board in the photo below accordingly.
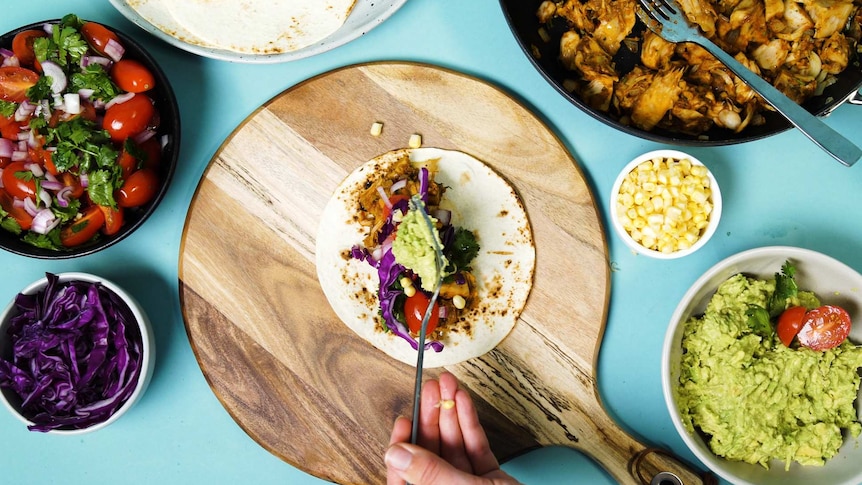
(300, 382)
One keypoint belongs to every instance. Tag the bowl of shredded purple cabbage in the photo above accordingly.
(76, 353)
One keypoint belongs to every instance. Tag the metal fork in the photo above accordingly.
(665, 19)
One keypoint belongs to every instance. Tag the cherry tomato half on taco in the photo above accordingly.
(414, 310)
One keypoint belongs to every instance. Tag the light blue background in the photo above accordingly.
(782, 190)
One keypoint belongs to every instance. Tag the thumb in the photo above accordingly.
(419, 466)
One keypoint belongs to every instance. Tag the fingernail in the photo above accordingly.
(398, 457)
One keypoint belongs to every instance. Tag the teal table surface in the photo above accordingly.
(778, 191)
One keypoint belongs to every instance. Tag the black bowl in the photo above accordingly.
(521, 16)
(169, 127)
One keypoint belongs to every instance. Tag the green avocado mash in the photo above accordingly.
(413, 248)
(753, 398)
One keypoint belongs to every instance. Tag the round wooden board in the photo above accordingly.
(300, 382)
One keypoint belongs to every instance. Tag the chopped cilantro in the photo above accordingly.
(66, 213)
(81, 146)
(10, 225)
(40, 90)
(102, 185)
(461, 251)
(45, 241)
(7, 108)
(758, 321)
(65, 46)
(785, 287)
(96, 78)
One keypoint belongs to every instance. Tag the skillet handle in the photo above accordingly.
(654, 466)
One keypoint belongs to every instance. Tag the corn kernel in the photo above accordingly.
(409, 291)
(459, 302)
(376, 128)
(664, 204)
(415, 141)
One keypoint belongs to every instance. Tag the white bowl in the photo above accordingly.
(12, 401)
(835, 283)
(706, 234)
(366, 15)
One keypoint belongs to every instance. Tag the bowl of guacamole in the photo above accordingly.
(751, 408)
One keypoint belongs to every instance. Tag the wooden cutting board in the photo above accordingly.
(293, 376)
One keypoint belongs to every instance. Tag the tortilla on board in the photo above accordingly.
(481, 201)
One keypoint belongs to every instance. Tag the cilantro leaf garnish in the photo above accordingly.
(40, 90)
(461, 251)
(785, 287)
(45, 241)
(102, 184)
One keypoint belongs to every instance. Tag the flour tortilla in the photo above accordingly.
(259, 27)
(481, 201)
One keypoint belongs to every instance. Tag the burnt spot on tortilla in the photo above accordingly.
(503, 213)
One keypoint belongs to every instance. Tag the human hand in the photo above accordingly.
(452, 446)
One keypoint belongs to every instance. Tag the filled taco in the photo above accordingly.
(376, 261)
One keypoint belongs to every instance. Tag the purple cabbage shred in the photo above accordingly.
(76, 355)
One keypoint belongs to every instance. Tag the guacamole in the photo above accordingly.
(755, 399)
(413, 248)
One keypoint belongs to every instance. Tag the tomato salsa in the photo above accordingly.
(78, 134)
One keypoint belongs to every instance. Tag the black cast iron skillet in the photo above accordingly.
(521, 15)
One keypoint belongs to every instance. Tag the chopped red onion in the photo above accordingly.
(384, 197)
(10, 61)
(6, 52)
(85, 93)
(44, 221)
(6, 148)
(143, 136)
(73, 103)
(100, 60)
(54, 186)
(84, 179)
(50, 177)
(119, 99)
(48, 28)
(36, 169)
(64, 196)
(19, 156)
(398, 186)
(45, 197)
(55, 72)
(31, 139)
(24, 110)
(444, 216)
(442, 312)
(29, 206)
(114, 50)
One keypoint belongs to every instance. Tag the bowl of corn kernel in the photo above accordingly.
(665, 204)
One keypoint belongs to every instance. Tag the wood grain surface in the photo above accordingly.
(300, 382)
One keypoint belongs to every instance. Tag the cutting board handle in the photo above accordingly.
(654, 466)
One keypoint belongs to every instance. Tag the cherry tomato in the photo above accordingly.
(414, 312)
(129, 118)
(132, 76)
(98, 36)
(138, 189)
(83, 229)
(18, 180)
(72, 181)
(127, 162)
(10, 131)
(789, 324)
(824, 328)
(14, 83)
(22, 47)
(113, 219)
(153, 149)
(20, 215)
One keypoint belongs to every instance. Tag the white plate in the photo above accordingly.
(366, 15)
